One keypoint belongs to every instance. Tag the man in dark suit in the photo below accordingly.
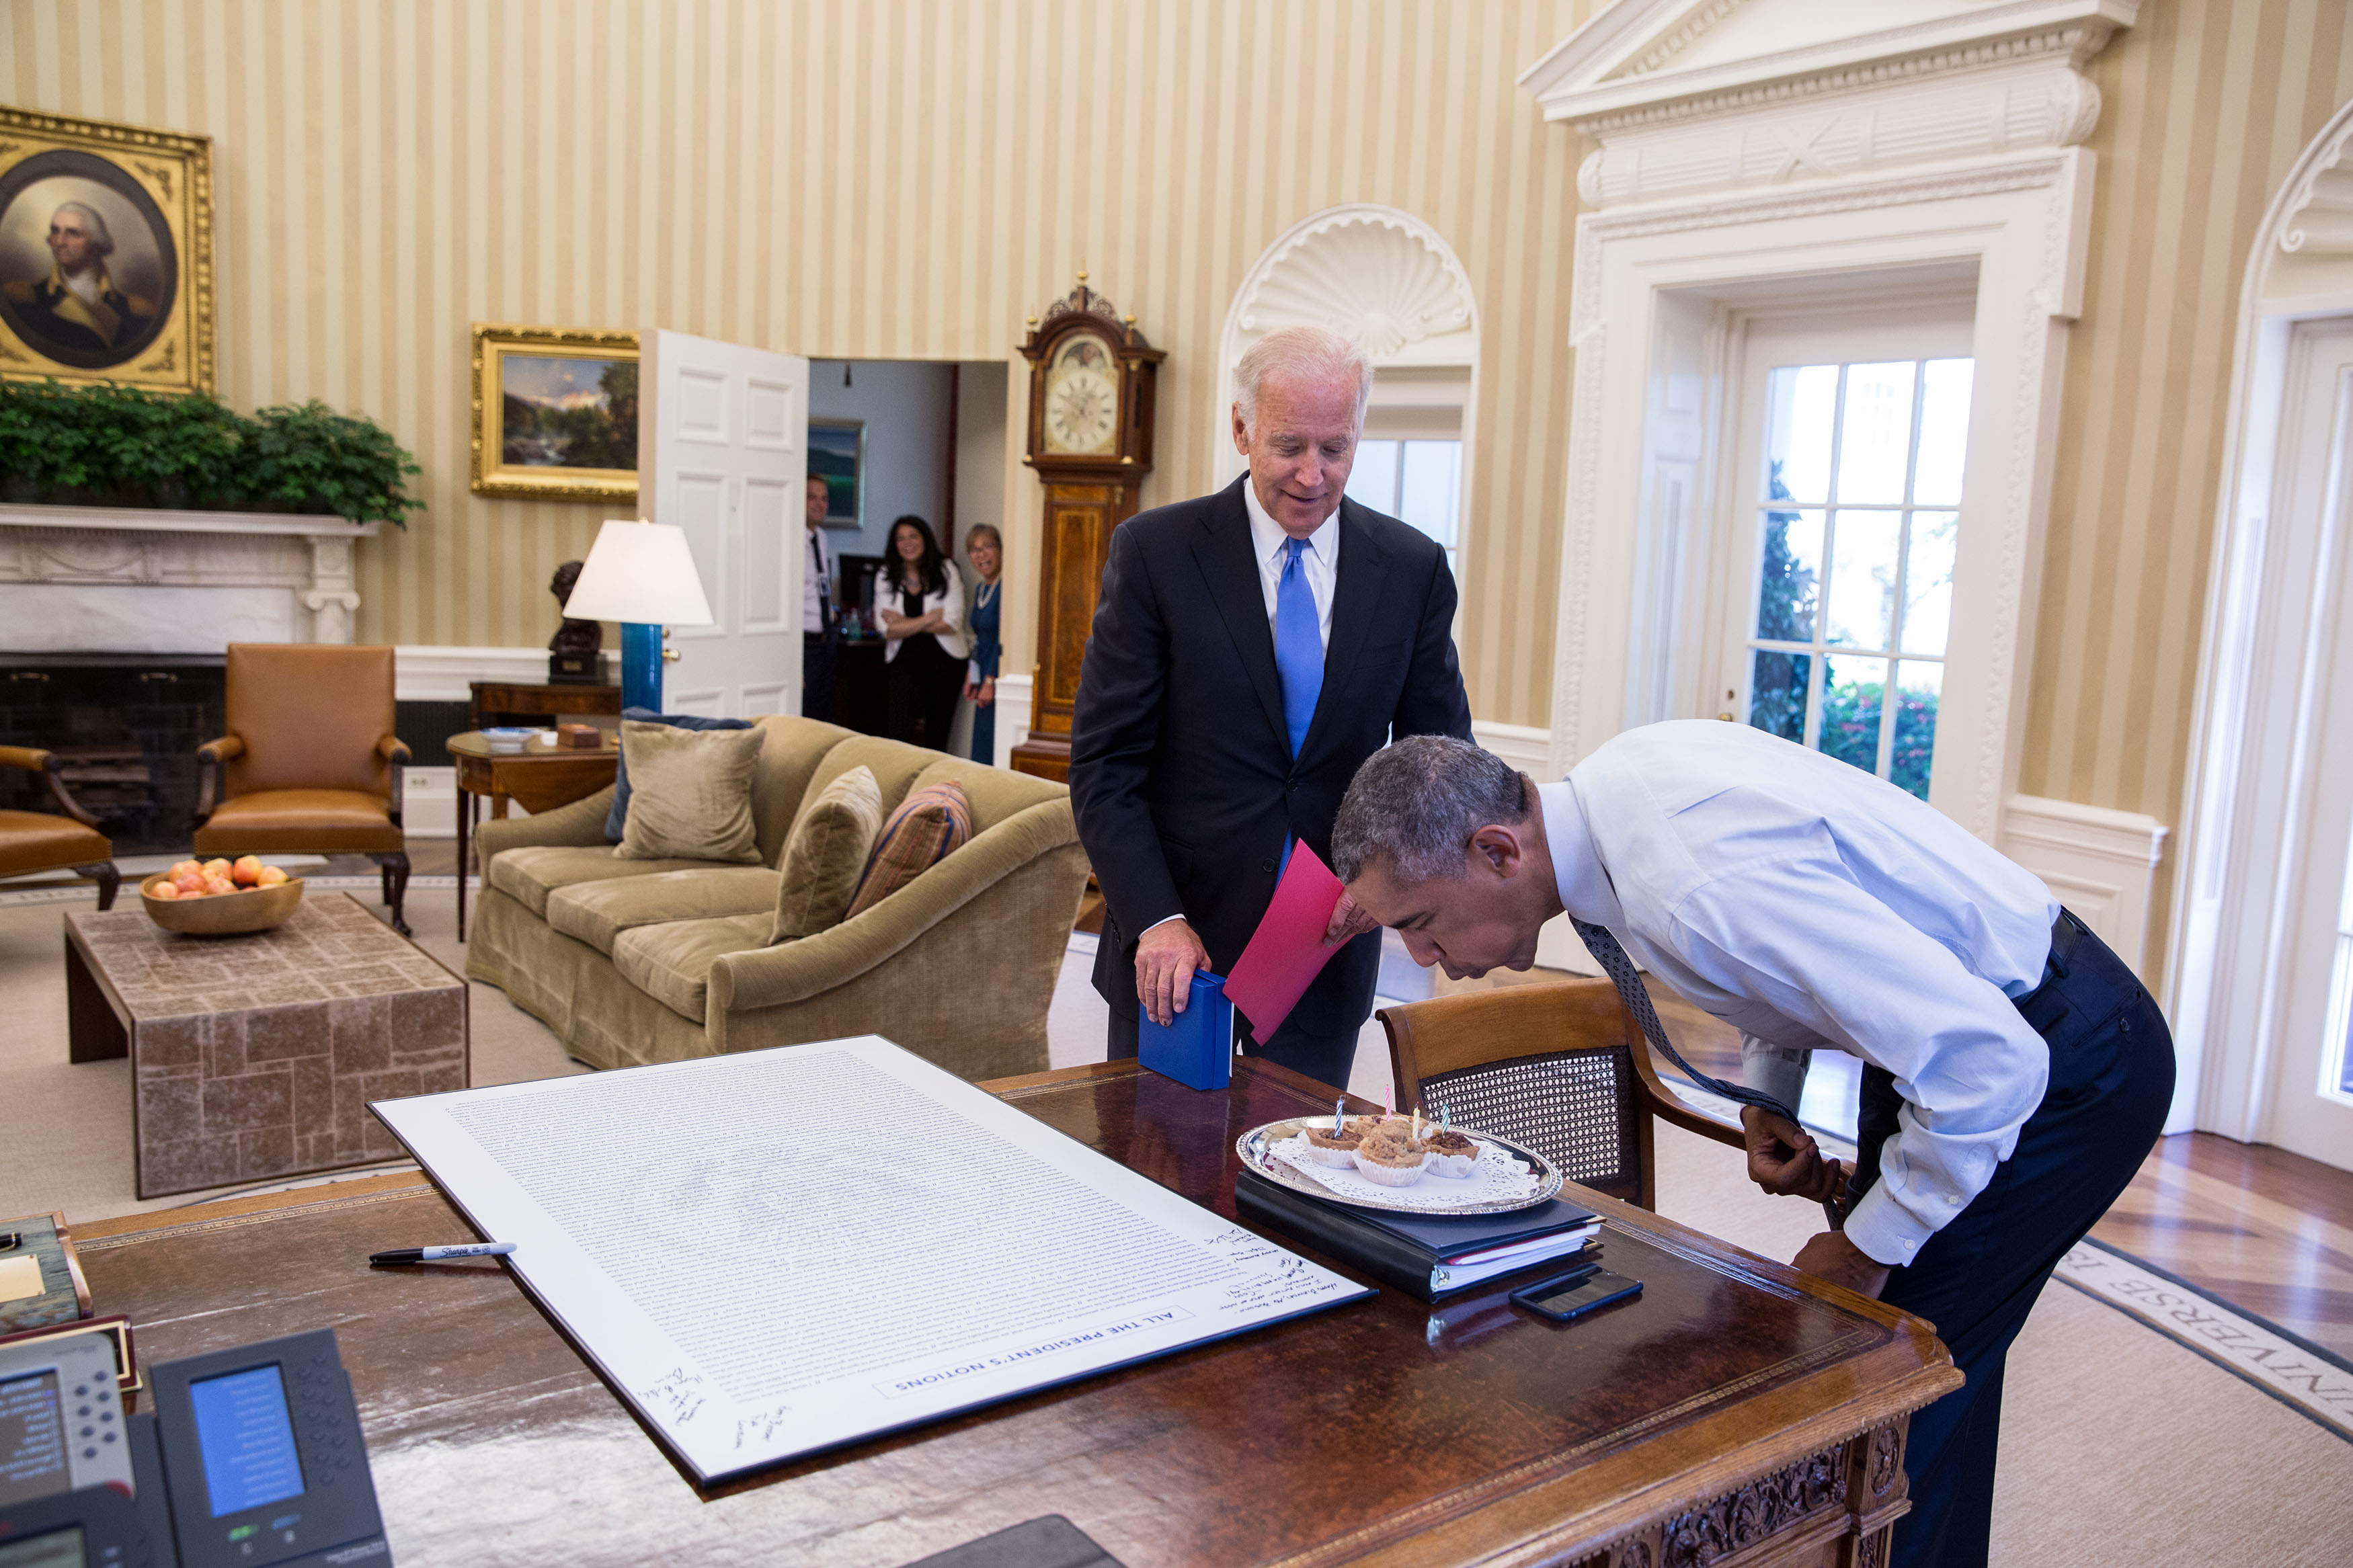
(1250, 648)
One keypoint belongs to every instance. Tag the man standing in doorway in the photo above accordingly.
(2015, 1074)
(820, 637)
(1249, 649)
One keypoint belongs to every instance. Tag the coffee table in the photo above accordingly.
(542, 776)
(255, 1056)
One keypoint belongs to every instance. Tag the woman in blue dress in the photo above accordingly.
(985, 548)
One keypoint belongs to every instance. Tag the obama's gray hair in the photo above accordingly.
(1413, 806)
(91, 225)
(1312, 354)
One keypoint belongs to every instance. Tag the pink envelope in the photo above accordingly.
(1287, 951)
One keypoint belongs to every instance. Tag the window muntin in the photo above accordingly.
(1855, 545)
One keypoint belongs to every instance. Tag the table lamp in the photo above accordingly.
(643, 576)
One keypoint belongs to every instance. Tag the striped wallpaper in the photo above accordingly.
(897, 179)
(2208, 103)
(885, 179)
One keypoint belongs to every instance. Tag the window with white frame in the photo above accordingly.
(1409, 458)
(1848, 518)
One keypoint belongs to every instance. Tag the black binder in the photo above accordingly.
(1421, 1255)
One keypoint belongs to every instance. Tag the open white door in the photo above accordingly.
(722, 453)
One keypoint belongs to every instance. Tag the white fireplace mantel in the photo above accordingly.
(81, 579)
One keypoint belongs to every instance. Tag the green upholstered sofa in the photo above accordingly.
(652, 960)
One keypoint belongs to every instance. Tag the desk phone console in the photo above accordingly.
(251, 1459)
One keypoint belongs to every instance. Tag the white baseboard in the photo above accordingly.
(424, 672)
(1525, 746)
(2100, 863)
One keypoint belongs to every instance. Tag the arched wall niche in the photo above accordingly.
(1375, 274)
(2248, 811)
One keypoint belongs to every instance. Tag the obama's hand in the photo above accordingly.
(1831, 1256)
(1783, 1157)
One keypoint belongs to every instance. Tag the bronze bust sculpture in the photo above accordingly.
(573, 652)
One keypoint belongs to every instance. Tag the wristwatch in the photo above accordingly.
(1834, 1204)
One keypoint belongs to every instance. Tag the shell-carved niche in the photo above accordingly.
(1372, 273)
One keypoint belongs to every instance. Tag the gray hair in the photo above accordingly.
(1414, 806)
(1306, 354)
(972, 535)
(92, 224)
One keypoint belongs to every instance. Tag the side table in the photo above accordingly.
(255, 1056)
(542, 776)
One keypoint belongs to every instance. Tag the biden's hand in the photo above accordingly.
(1166, 957)
(1348, 922)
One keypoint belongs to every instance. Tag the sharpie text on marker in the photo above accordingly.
(436, 1254)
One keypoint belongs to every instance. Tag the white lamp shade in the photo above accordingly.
(639, 572)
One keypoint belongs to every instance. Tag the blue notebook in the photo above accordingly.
(1197, 1048)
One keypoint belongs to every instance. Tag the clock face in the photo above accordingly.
(1083, 398)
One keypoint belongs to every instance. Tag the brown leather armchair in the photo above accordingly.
(310, 765)
(34, 841)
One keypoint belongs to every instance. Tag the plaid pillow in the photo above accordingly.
(929, 825)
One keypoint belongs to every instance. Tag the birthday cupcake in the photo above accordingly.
(1451, 1153)
(1326, 1147)
(1390, 1160)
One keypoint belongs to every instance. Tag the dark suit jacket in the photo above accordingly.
(1181, 773)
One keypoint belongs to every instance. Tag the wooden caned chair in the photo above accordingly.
(33, 841)
(1556, 1067)
(310, 765)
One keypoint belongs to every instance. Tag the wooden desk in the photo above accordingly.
(508, 702)
(1735, 1407)
(541, 777)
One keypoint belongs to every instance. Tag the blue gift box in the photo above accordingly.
(1197, 1047)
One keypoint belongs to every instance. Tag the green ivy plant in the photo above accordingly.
(124, 446)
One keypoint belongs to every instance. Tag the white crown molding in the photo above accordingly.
(1972, 81)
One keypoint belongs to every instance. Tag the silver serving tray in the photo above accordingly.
(1256, 1148)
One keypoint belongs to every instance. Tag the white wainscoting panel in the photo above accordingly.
(430, 673)
(2100, 863)
(1012, 716)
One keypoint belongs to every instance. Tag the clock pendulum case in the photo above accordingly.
(1091, 380)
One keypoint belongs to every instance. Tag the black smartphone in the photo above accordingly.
(1571, 1296)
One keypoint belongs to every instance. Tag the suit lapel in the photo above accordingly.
(1222, 550)
(1363, 566)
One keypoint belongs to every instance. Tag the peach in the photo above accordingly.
(180, 866)
(190, 881)
(271, 877)
(246, 870)
(164, 891)
(215, 868)
(220, 885)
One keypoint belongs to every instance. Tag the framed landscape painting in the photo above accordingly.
(837, 454)
(555, 413)
(106, 253)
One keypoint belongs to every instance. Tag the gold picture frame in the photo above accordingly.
(106, 253)
(546, 395)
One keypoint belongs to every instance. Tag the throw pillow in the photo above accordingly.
(693, 795)
(929, 825)
(826, 854)
(618, 817)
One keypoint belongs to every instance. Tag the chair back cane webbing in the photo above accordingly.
(1575, 1108)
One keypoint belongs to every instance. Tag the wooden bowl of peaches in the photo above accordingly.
(221, 898)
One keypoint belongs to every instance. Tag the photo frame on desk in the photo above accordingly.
(555, 413)
(837, 454)
(126, 211)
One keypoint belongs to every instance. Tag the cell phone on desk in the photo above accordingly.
(1566, 1298)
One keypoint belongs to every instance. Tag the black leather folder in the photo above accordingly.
(1422, 1255)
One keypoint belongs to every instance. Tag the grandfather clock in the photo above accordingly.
(1092, 378)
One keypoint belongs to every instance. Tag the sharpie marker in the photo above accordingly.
(436, 1254)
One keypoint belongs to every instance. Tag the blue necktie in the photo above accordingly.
(1298, 645)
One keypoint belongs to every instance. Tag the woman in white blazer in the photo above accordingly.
(920, 604)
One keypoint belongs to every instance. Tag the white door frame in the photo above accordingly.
(2022, 222)
(2245, 809)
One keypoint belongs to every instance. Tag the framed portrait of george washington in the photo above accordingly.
(555, 413)
(106, 253)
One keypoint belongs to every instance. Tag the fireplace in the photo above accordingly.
(127, 727)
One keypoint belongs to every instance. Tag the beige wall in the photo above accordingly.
(2207, 104)
(861, 181)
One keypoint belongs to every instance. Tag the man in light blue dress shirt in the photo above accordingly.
(2015, 1073)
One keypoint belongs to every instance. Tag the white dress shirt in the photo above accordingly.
(1320, 560)
(1809, 904)
(816, 577)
